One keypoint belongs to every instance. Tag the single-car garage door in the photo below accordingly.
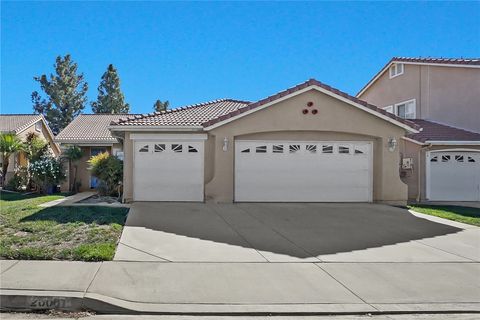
(168, 171)
(453, 176)
(282, 171)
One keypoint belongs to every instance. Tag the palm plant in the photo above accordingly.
(9, 144)
(73, 154)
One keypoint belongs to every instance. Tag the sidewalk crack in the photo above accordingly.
(343, 285)
(10, 267)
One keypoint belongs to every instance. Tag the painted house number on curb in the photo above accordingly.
(48, 303)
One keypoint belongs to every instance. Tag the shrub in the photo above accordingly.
(46, 172)
(19, 181)
(109, 170)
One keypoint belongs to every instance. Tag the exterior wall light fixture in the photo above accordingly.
(225, 144)
(392, 144)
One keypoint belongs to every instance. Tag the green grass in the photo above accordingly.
(87, 233)
(456, 213)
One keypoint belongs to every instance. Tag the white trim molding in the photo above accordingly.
(413, 141)
(154, 128)
(453, 143)
(168, 136)
(322, 90)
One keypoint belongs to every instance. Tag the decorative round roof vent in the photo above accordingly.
(309, 103)
(304, 111)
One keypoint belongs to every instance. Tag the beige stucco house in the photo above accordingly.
(309, 143)
(22, 125)
(442, 96)
(90, 133)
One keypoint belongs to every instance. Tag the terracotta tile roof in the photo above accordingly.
(433, 131)
(15, 123)
(192, 115)
(464, 61)
(311, 82)
(420, 60)
(209, 113)
(89, 128)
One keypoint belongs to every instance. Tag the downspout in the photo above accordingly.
(419, 175)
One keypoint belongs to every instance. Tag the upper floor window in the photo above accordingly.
(38, 126)
(396, 69)
(406, 109)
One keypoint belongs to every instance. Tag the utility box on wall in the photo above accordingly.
(407, 163)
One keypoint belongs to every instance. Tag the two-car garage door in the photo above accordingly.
(281, 171)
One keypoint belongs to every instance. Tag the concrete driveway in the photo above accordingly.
(289, 232)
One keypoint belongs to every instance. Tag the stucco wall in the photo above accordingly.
(335, 121)
(448, 95)
(386, 91)
(454, 97)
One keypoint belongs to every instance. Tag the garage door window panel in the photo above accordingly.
(177, 148)
(344, 149)
(312, 148)
(159, 147)
(145, 148)
(261, 149)
(192, 149)
(293, 148)
(277, 148)
(327, 149)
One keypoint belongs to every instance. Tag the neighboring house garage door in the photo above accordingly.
(168, 171)
(453, 176)
(276, 171)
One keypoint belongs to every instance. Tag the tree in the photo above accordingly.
(160, 106)
(34, 147)
(73, 154)
(66, 94)
(110, 98)
(109, 169)
(9, 144)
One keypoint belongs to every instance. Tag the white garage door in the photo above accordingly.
(168, 171)
(274, 171)
(453, 176)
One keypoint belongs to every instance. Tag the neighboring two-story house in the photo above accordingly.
(21, 125)
(442, 162)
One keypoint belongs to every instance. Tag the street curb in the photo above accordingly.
(35, 301)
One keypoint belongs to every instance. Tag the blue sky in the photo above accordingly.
(194, 52)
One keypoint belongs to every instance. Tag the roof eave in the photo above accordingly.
(453, 142)
(153, 128)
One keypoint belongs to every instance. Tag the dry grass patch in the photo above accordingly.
(62, 233)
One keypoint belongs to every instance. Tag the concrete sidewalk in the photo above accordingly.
(241, 288)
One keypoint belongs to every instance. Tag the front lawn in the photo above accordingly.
(61, 233)
(460, 214)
